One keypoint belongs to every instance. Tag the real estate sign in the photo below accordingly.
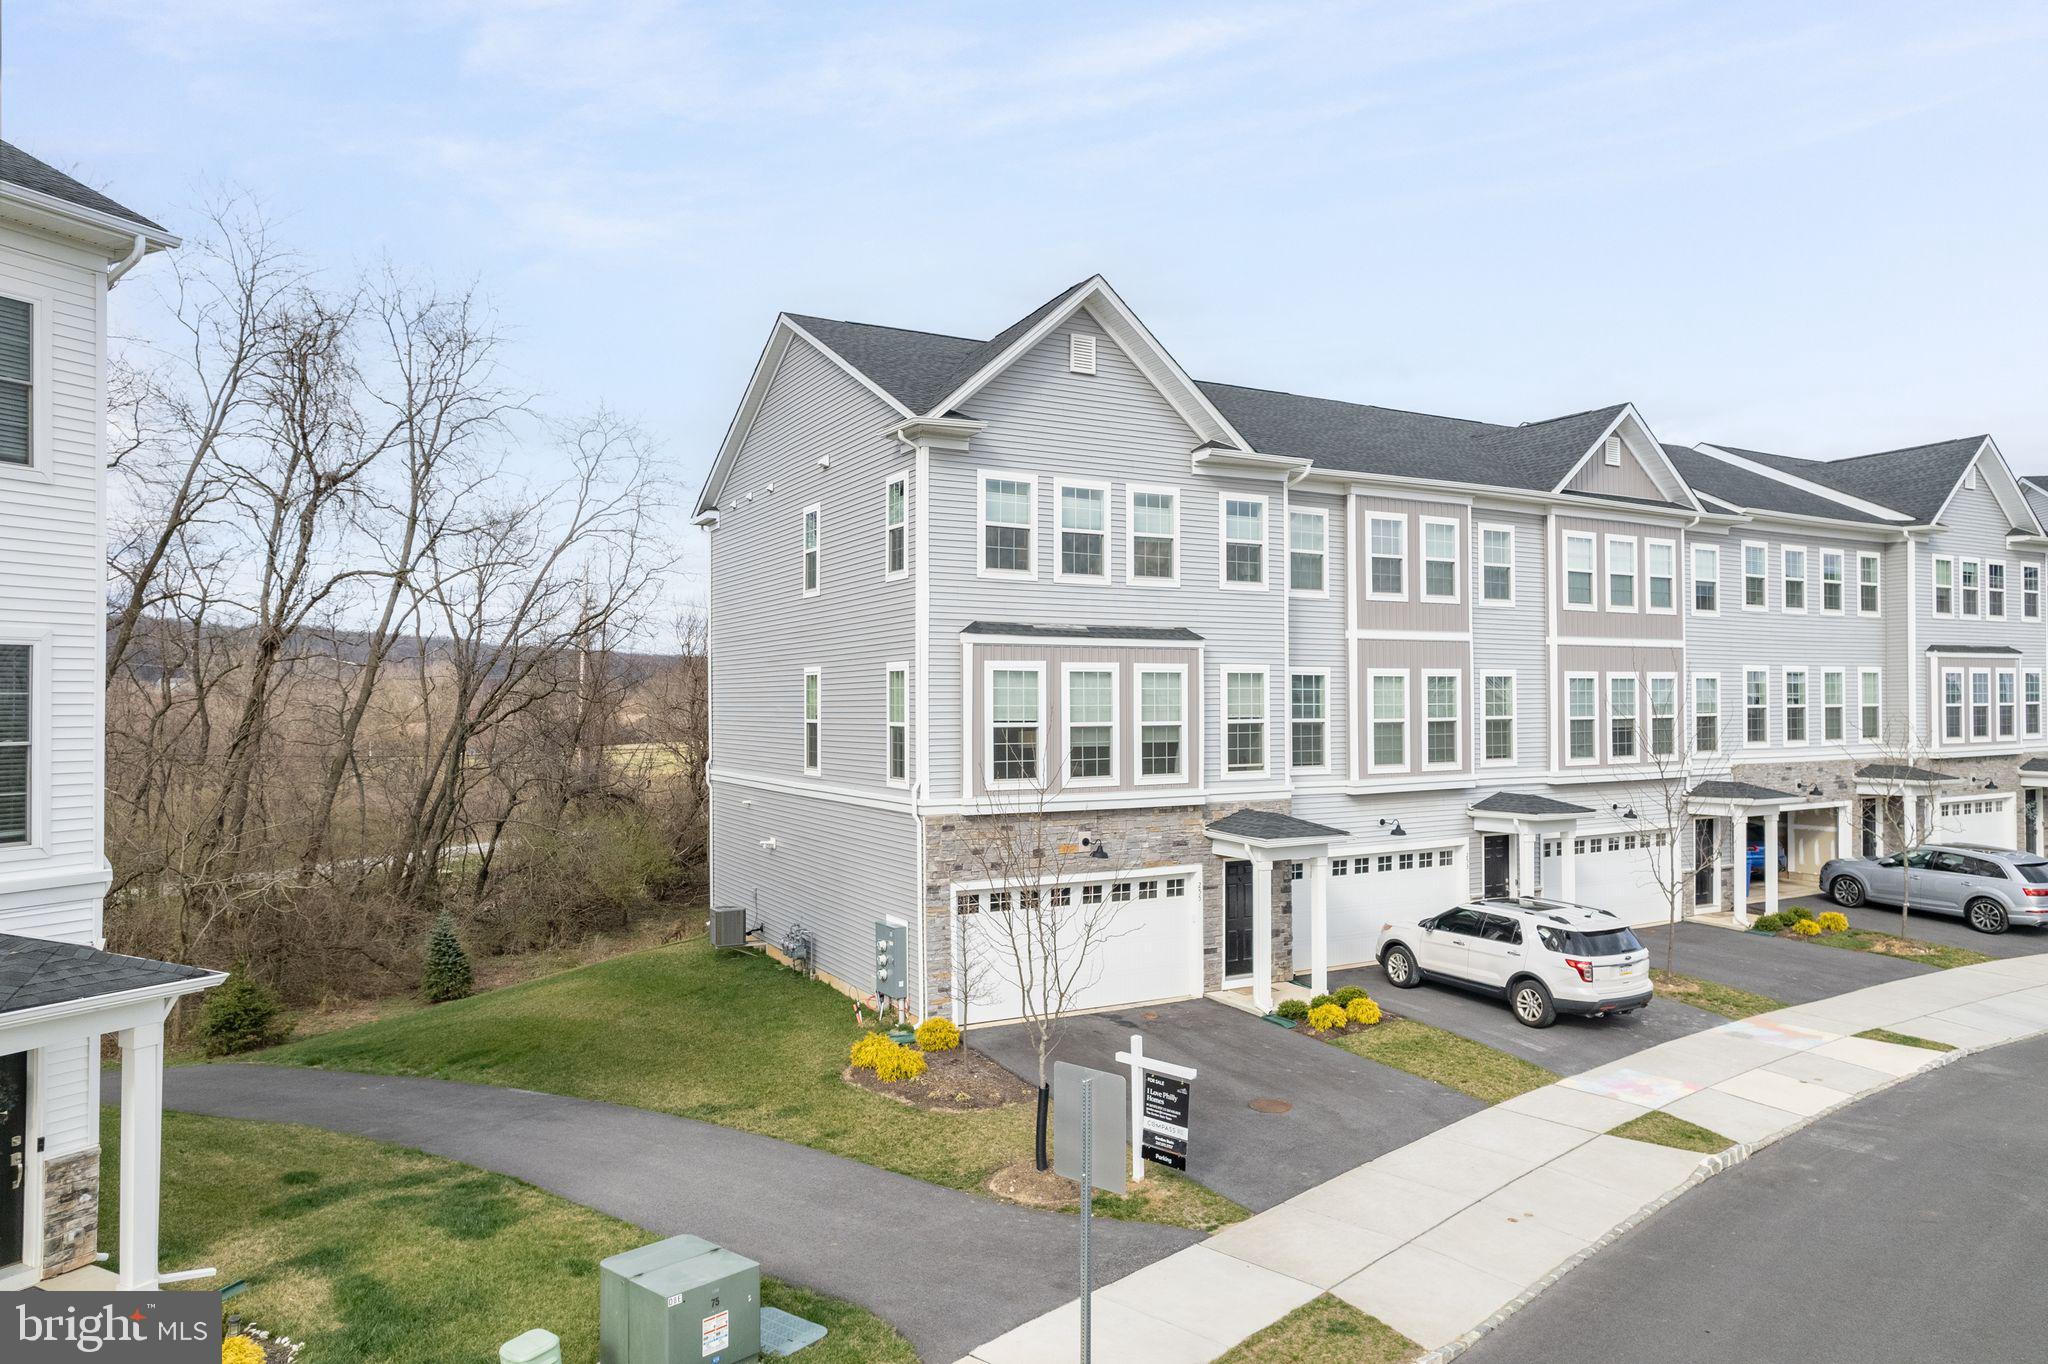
(1163, 1126)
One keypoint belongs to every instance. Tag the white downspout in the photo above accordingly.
(116, 269)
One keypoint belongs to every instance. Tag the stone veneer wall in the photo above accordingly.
(71, 1212)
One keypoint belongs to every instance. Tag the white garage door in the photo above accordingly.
(1126, 941)
(1617, 872)
(1366, 888)
(1985, 819)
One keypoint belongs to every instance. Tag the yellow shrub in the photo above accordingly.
(1363, 1011)
(1833, 921)
(1807, 928)
(241, 1350)
(899, 1063)
(938, 1034)
(869, 1049)
(1326, 1017)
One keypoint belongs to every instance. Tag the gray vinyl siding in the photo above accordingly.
(1973, 526)
(1316, 630)
(1628, 479)
(764, 630)
(1108, 427)
(1509, 636)
(834, 870)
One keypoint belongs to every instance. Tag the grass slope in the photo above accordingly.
(1470, 1067)
(1662, 1129)
(725, 1037)
(1943, 956)
(371, 1252)
(1711, 995)
(1325, 1330)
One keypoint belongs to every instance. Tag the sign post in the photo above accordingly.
(1087, 1142)
(1160, 1099)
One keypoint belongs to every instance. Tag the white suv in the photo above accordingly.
(1545, 957)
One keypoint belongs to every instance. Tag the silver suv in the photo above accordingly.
(1991, 888)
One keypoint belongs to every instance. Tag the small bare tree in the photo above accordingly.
(1901, 779)
(1663, 805)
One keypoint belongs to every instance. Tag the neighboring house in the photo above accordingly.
(62, 245)
(1292, 660)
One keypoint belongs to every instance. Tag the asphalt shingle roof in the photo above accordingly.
(1522, 803)
(2035, 765)
(1915, 480)
(36, 971)
(1971, 649)
(1901, 772)
(1752, 491)
(1738, 790)
(1172, 633)
(17, 167)
(1272, 827)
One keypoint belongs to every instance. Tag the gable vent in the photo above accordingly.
(1612, 453)
(1080, 353)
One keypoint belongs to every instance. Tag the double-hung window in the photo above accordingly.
(1621, 718)
(16, 738)
(1162, 729)
(1831, 702)
(1091, 724)
(1831, 581)
(1439, 560)
(1016, 713)
(896, 527)
(1578, 571)
(1387, 538)
(1621, 573)
(1308, 713)
(1660, 567)
(1006, 525)
(1792, 592)
(1155, 536)
(17, 384)
(1244, 722)
(1706, 713)
(2031, 700)
(1795, 705)
(1944, 587)
(1706, 580)
(1969, 574)
(1866, 584)
(1980, 703)
(1756, 577)
(1952, 704)
(1389, 692)
(814, 700)
(1497, 713)
(1994, 591)
(1084, 531)
(1663, 716)
(1440, 719)
(1497, 563)
(1582, 718)
(1870, 700)
(2030, 592)
(1756, 706)
(811, 578)
(1244, 542)
(899, 725)
(2008, 720)
(1308, 535)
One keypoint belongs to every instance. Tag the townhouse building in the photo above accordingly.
(1280, 663)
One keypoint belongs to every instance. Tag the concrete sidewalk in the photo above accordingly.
(1445, 1236)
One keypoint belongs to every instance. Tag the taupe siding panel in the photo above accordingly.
(1411, 613)
(1628, 479)
(1509, 636)
(1416, 657)
(1127, 663)
(1316, 626)
(1602, 622)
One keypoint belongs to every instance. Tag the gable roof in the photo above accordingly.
(17, 167)
(1916, 480)
(1751, 491)
(35, 972)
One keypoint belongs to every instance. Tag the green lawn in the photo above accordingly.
(1470, 1067)
(1325, 1330)
(1711, 995)
(1899, 1039)
(1662, 1129)
(369, 1252)
(726, 1037)
(1940, 955)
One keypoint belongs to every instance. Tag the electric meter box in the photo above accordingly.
(679, 1301)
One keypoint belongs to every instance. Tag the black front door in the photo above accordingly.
(1237, 918)
(13, 1154)
(1703, 861)
(1497, 858)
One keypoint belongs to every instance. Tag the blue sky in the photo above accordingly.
(1808, 228)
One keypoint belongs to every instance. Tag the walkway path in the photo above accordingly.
(1447, 1235)
(942, 1266)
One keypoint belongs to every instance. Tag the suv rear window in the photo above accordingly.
(2033, 873)
(1611, 942)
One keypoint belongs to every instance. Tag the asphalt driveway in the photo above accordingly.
(1783, 969)
(1343, 1110)
(1936, 928)
(1570, 1045)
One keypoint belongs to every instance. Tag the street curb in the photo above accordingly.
(1709, 1166)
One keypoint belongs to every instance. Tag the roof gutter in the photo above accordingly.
(136, 250)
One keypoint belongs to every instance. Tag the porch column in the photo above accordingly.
(1319, 925)
(142, 1140)
(1526, 841)
(1770, 862)
(1843, 846)
(1567, 868)
(1262, 931)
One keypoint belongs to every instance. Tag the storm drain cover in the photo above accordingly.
(1271, 1106)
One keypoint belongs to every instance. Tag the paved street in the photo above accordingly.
(1902, 1229)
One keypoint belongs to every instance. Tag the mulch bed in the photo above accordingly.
(958, 1081)
(1023, 1182)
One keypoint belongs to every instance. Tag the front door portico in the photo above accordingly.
(1251, 842)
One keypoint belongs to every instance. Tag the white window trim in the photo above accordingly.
(1482, 719)
(889, 574)
(1407, 578)
(982, 478)
(2004, 587)
(1565, 709)
(41, 371)
(1372, 766)
(1805, 579)
(1998, 726)
(1647, 717)
(1059, 530)
(1962, 706)
(1970, 735)
(1676, 575)
(1785, 676)
(1495, 527)
(1864, 556)
(1745, 575)
(813, 513)
(1224, 542)
(810, 768)
(1131, 491)
(1321, 514)
(1067, 671)
(1323, 673)
(1841, 582)
(1635, 574)
(2034, 614)
(1714, 552)
(1564, 575)
(1265, 766)
(1934, 587)
(2040, 704)
(1188, 760)
(1720, 734)
(1457, 718)
(41, 714)
(1963, 612)
(1423, 560)
(1607, 682)
(987, 742)
(1865, 699)
(889, 671)
(1765, 673)
(1841, 677)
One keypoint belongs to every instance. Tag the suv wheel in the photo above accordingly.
(1846, 891)
(1530, 1000)
(1987, 916)
(1402, 972)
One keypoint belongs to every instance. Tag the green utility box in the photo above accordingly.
(679, 1301)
